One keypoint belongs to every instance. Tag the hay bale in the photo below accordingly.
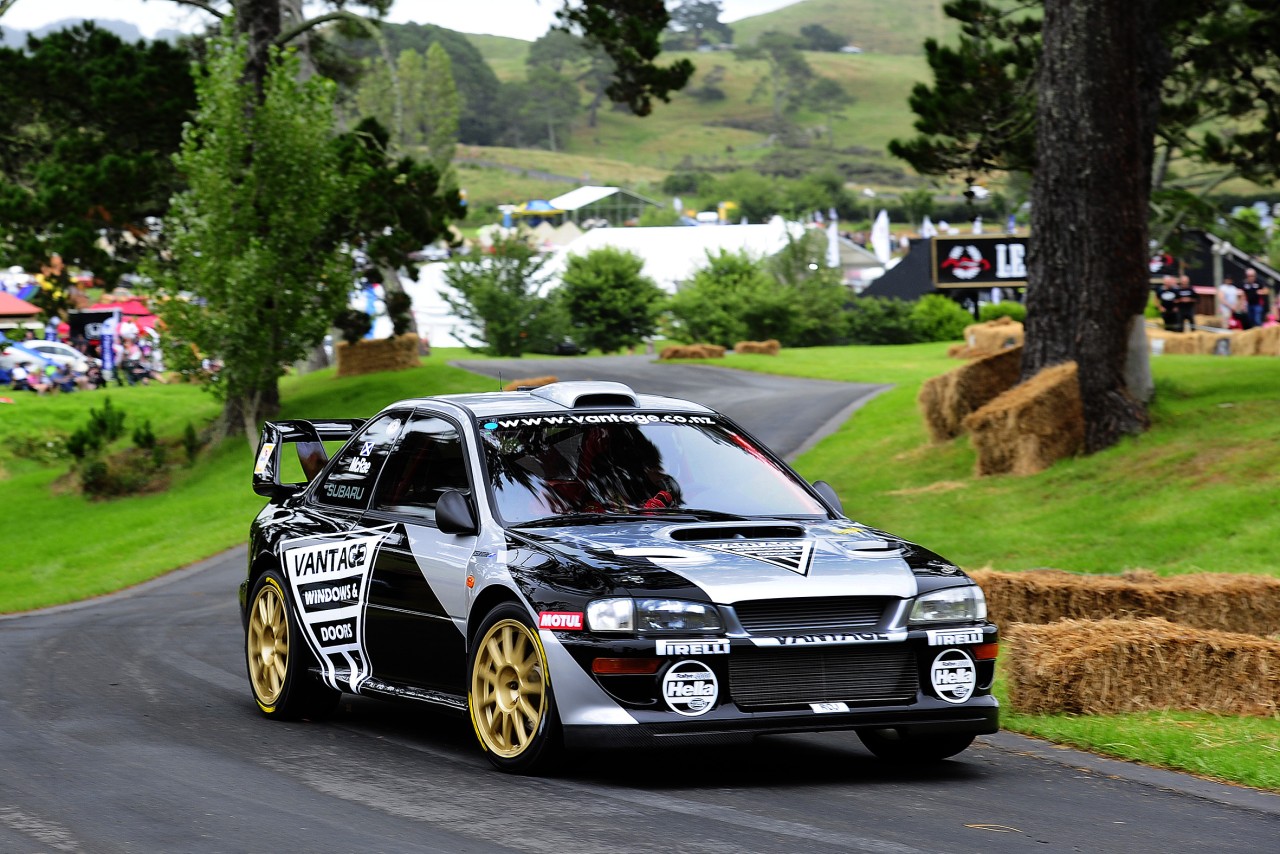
(999, 334)
(763, 348)
(376, 355)
(692, 351)
(1185, 343)
(946, 400)
(530, 382)
(1111, 666)
(1248, 604)
(964, 351)
(1214, 321)
(1030, 426)
(1259, 341)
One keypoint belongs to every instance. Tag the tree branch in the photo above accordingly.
(5, 6)
(199, 4)
(302, 26)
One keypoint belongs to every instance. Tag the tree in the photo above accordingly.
(700, 20)
(88, 125)
(541, 110)
(829, 97)
(787, 75)
(819, 38)
(732, 299)
(576, 59)
(500, 296)
(441, 107)
(1108, 102)
(252, 237)
(610, 302)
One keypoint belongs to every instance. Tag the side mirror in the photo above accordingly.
(454, 516)
(828, 494)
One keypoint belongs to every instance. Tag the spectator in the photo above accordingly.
(64, 379)
(1255, 297)
(1230, 304)
(1186, 304)
(1167, 298)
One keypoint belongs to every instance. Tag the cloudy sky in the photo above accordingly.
(524, 19)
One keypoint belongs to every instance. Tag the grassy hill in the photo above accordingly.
(898, 27)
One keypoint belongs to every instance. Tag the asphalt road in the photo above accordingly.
(127, 725)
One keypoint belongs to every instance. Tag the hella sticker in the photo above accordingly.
(953, 675)
(690, 688)
(560, 621)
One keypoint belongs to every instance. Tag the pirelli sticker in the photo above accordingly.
(330, 583)
(788, 554)
(954, 637)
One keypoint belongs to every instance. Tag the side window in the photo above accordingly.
(428, 461)
(350, 478)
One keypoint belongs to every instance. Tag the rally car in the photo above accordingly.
(579, 565)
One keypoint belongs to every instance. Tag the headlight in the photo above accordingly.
(651, 615)
(950, 605)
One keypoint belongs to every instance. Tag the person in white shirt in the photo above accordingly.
(1230, 301)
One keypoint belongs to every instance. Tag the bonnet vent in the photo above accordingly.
(577, 395)
(736, 531)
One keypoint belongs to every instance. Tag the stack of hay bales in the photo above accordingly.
(1224, 602)
(989, 337)
(376, 355)
(1110, 666)
(692, 351)
(946, 400)
(763, 348)
(1214, 321)
(530, 382)
(1259, 341)
(1185, 343)
(1030, 426)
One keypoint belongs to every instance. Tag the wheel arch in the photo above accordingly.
(488, 599)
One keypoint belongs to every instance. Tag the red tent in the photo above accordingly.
(18, 309)
(132, 309)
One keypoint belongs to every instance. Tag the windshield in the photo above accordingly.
(547, 466)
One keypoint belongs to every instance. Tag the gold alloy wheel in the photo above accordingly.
(508, 688)
(268, 644)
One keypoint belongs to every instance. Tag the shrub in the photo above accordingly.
(731, 299)
(400, 311)
(499, 295)
(191, 442)
(1008, 308)
(107, 422)
(939, 318)
(354, 325)
(611, 303)
(880, 320)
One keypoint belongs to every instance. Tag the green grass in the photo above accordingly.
(898, 27)
(61, 547)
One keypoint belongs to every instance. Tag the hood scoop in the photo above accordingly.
(718, 533)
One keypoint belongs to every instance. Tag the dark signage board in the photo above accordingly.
(88, 324)
(980, 261)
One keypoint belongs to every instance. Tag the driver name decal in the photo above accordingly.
(789, 554)
(329, 581)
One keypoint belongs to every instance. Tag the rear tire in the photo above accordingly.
(920, 749)
(509, 693)
(278, 658)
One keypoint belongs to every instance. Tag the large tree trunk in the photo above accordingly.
(1099, 90)
(259, 21)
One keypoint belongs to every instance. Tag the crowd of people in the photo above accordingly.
(134, 360)
(1244, 306)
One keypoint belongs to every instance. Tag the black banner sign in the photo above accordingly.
(977, 261)
(87, 324)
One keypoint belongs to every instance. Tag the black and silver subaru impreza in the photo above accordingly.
(580, 565)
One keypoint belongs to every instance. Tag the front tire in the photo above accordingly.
(509, 693)
(278, 658)
(893, 746)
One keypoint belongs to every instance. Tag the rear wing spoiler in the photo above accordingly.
(309, 438)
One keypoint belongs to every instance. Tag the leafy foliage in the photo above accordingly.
(697, 23)
(880, 320)
(500, 295)
(610, 302)
(937, 317)
(731, 299)
(254, 237)
(1006, 308)
(87, 127)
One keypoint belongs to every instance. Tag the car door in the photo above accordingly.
(328, 558)
(418, 588)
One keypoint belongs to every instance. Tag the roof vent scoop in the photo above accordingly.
(579, 395)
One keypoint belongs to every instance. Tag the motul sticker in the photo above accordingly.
(788, 554)
(561, 621)
(690, 688)
(953, 676)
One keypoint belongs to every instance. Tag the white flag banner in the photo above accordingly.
(977, 225)
(833, 244)
(926, 228)
(881, 243)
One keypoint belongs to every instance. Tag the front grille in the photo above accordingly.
(764, 679)
(805, 616)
